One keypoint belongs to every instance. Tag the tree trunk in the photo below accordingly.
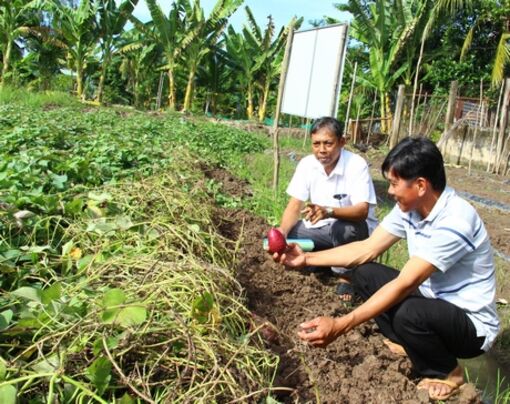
(189, 89)
(102, 78)
(249, 96)
(263, 102)
(388, 114)
(171, 90)
(382, 109)
(79, 81)
(6, 62)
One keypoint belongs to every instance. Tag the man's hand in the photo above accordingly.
(314, 212)
(293, 257)
(321, 331)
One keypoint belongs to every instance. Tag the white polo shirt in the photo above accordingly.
(453, 239)
(350, 178)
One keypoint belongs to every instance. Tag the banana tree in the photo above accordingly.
(269, 56)
(78, 35)
(17, 19)
(203, 34)
(170, 35)
(385, 29)
(110, 21)
(242, 56)
(138, 56)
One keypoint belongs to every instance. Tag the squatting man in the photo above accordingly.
(333, 190)
(441, 305)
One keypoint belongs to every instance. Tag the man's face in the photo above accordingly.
(326, 147)
(405, 192)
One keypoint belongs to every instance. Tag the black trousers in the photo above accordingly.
(433, 332)
(331, 235)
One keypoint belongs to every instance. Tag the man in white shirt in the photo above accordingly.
(441, 305)
(333, 190)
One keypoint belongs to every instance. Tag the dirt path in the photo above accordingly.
(356, 368)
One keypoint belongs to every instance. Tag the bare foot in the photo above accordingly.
(394, 347)
(442, 389)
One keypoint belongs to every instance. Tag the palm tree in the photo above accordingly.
(111, 21)
(203, 34)
(268, 59)
(497, 14)
(170, 35)
(16, 19)
(78, 35)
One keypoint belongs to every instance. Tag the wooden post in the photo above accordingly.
(307, 131)
(283, 75)
(450, 111)
(502, 126)
(480, 115)
(357, 127)
(495, 126)
(397, 118)
(346, 124)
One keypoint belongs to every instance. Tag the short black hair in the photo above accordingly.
(415, 157)
(332, 124)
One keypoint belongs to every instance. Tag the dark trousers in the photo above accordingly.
(332, 235)
(433, 332)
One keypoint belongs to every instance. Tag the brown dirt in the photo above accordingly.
(356, 368)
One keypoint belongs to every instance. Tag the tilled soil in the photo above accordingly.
(356, 368)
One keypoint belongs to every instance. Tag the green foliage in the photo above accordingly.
(108, 252)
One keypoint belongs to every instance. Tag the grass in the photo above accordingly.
(33, 99)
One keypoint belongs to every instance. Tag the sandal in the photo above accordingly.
(345, 289)
(454, 388)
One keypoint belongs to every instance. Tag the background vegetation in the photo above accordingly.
(186, 60)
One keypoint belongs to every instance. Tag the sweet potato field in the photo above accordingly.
(116, 286)
(132, 270)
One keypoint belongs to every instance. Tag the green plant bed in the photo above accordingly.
(135, 300)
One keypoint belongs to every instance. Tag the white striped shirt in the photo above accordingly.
(453, 239)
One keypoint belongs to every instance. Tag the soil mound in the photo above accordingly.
(356, 368)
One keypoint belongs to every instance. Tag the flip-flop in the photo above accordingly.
(344, 288)
(397, 349)
(455, 388)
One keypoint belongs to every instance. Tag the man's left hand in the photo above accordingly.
(321, 331)
(314, 212)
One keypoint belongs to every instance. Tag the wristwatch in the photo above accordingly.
(329, 212)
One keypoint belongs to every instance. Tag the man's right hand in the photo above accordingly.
(293, 257)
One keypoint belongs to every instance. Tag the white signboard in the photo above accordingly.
(314, 76)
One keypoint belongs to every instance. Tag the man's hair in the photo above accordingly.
(332, 124)
(415, 157)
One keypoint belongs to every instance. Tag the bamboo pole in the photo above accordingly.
(397, 117)
(346, 124)
(371, 117)
(283, 75)
(495, 125)
(502, 125)
(357, 124)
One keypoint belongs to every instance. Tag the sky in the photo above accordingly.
(281, 10)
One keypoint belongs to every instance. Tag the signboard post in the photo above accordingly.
(311, 77)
